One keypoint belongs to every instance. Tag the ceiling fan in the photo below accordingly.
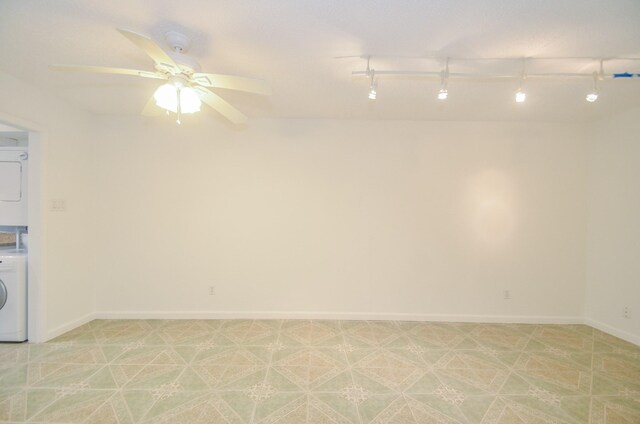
(186, 88)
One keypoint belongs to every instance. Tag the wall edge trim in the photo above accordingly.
(622, 334)
(61, 329)
(385, 316)
(505, 319)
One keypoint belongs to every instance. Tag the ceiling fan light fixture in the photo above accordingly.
(189, 100)
(175, 96)
(166, 97)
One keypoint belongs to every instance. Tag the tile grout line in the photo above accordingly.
(308, 382)
(402, 393)
(132, 377)
(266, 374)
(593, 349)
(108, 398)
(155, 330)
(29, 386)
(444, 385)
(349, 365)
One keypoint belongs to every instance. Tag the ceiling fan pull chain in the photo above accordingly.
(178, 106)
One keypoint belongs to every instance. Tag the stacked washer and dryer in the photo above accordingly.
(13, 256)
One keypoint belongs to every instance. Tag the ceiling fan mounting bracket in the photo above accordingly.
(178, 42)
(178, 81)
(186, 65)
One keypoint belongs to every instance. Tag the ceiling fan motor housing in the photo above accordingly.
(180, 44)
(177, 41)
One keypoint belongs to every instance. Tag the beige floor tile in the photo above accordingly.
(321, 372)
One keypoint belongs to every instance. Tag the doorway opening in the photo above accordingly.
(21, 220)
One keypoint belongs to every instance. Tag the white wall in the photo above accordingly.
(330, 218)
(382, 219)
(64, 146)
(333, 218)
(613, 276)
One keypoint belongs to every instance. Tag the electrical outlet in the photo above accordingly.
(626, 313)
(212, 290)
(507, 295)
(58, 205)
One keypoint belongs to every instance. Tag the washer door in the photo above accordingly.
(3, 294)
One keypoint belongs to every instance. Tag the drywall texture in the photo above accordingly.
(64, 285)
(397, 219)
(613, 253)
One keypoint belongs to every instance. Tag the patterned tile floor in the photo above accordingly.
(240, 371)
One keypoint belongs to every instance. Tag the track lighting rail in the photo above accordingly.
(526, 61)
(444, 74)
(437, 74)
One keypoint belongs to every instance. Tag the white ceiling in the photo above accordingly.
(292, 44)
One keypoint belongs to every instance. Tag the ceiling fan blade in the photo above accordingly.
(231, 82)
(221, 106)
(151, 109)
(107, 70)
(150, 47)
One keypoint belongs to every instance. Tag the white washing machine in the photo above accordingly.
(13, 296)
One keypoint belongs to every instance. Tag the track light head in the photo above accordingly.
(521, 96)
(444, 80)
(373, 87)
(592, 96)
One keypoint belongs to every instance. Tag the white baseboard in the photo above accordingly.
(624, 335)
(55, 332)
(505, 319)
(385, 316)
